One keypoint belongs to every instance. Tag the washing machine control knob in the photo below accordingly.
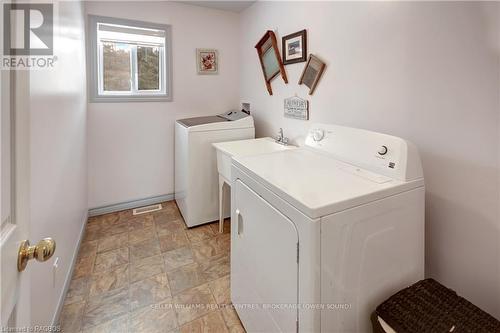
(383, 150)
(318, 134)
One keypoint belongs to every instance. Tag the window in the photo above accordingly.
(129, 60)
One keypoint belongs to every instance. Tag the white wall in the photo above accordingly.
(427, 72)
(58, 159)
(131, 145)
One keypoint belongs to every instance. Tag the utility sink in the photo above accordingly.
(226, 150)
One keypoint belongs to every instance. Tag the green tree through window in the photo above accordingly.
(116, 63)
(148, 63)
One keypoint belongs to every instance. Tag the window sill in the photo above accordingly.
(129, 99)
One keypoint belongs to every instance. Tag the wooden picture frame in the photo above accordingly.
(294, 47)
(270, 60)
(312, 73)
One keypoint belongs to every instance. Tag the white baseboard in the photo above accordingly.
(130, 205)
(67, 280)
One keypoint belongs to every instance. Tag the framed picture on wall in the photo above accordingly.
(294, 47)
(207, 61)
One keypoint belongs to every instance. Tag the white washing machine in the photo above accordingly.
(322, 234)
(196, 176)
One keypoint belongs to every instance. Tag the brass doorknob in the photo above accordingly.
(41, 252)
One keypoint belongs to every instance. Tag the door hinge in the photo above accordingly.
(297, 252)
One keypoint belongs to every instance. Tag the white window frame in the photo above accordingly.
(96, 75)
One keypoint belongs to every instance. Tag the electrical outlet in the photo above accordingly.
(245, 107)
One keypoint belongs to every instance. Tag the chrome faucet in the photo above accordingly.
(281, 139)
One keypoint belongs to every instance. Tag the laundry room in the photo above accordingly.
(250, 166)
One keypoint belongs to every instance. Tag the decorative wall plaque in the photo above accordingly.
(297, 108)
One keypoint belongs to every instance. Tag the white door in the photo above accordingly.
(14, 195)
(264, 268)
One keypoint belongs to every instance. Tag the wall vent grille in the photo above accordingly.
(147, 209)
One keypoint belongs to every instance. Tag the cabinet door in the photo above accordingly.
(264, 268)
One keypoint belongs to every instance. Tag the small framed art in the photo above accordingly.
(294, 47)
(207, 61)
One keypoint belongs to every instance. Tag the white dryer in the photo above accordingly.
(196, 176)
(322, 234)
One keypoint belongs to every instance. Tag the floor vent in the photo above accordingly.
(147, 209)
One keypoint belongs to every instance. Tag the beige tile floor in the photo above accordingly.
(149, 273)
